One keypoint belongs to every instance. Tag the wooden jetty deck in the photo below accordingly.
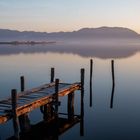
(34, 98)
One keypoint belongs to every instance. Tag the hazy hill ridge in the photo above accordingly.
(84, 33)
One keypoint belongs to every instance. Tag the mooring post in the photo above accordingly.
(22, 83)
(52, 75)
(14, 113)
(24, 119)
(82, 102)
(113, 83)
(56, 130)
(70, 106)
(56, 94)
(47, 109)
(82, 78)
(91, 71)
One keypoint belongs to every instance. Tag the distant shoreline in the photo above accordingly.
(26, 42)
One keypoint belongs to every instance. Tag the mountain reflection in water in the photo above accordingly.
(102, 49)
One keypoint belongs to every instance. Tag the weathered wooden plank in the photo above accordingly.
(36, 89)
(22, 102)
(6, 101)
(30, 98)
(4, 108)
(39, 94)
(1, 109)
(27, 102)
(1, 113)
(31, 106)
(4, 118)
(35, 95)
(62, 88)
(5, 104)
(69, 90)
(26, 98)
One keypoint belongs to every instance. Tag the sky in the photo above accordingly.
(68, 15)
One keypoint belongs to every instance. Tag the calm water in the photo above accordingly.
(100, 122)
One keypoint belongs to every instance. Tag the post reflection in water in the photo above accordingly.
(113, 84)
(91, 69)
(82, 103)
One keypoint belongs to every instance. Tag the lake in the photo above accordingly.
(100, 121)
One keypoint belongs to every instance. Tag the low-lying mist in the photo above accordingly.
(101, 48)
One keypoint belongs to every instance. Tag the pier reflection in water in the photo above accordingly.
(90, 82)
(50, 131)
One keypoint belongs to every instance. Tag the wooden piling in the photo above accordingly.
(48, 112)
(82, 102)
(56, 130)
(52, 75)
(113, 84)
(22, 83)
(82, 78)
(91, 71)
(24, 121)
(56, 94)
(70, 106)
(47, 109)
(15, 118)
(45, 112)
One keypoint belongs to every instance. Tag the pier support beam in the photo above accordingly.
(47, 109)
(48, 112)
(70, 106)
(14, 113)
(56, 130)
(24, 120)
(52, 75)
(56, 95)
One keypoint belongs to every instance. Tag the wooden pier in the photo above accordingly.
(29, 100)
(45, 97)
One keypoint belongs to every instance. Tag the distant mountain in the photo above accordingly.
(14, 35)
(108, 32)
(84, 33)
